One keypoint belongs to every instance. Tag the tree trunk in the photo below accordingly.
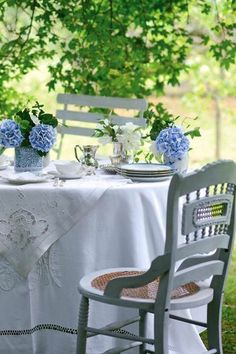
(218, 115)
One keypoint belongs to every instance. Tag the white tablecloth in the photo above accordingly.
(123, 226)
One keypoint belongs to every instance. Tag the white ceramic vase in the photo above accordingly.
(46, 160)
(27, 159)
(179, 165)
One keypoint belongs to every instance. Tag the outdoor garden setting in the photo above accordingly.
(93, 93)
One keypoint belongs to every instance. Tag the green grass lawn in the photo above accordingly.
(229, 311)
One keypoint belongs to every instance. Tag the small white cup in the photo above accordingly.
(68, 168)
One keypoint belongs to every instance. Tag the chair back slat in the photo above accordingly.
(202, 246)
(197, 272)
(102, 101)
(76, 131)
(95, 117)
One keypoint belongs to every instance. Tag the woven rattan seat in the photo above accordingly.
(148, 291)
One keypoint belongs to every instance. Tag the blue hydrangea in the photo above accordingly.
(172, 143)
(42, 137)
(10, 134)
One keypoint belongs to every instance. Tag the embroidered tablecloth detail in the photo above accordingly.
(47, 269)
(36, 217)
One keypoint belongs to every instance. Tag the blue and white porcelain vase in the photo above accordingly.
(179, 165)
(27, 159)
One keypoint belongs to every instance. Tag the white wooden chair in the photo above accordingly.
(208, 227)
(73, 111)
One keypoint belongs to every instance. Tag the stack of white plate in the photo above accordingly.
(145, 172)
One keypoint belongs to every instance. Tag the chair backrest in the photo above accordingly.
(207, 197)
(73, 111)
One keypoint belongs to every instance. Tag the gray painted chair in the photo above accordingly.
(73, 111)
(207, 198)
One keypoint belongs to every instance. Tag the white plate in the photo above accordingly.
(150, 179)
(144, 167)
(63, 176)
(23, 177)
(18, 180)
(144, 174)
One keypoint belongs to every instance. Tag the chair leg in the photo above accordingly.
(143, 315)
(214, 332)
(161, 323)
(82, 326)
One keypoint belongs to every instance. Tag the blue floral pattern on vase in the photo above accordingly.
(27, 159)
(179, 164)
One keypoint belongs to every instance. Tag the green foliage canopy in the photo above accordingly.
(110, 47)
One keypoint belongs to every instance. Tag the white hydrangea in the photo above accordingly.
(130, 137)
(106, 122)
(116, 128)
(99, 126)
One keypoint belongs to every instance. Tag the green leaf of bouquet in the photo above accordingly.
(151, 156)
(26, 143)
(38, 105)
(98, 133)
(139, 152)
(24, 125)
(194, 132)
(153, 134)
(48, 118)
(110, 131)
(24, 115)
(41, 153)
(2, 149)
